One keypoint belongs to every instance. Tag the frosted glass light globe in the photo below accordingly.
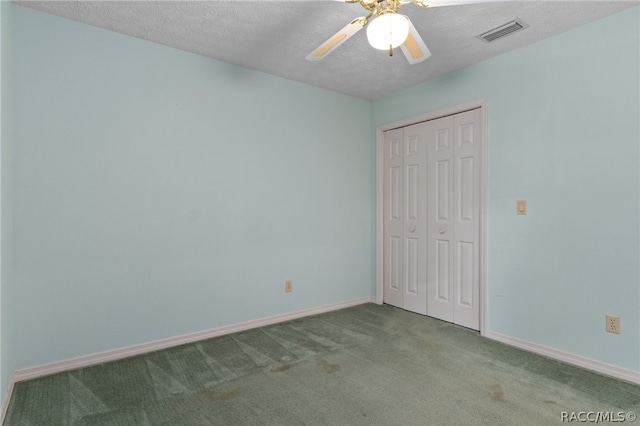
(388, 30)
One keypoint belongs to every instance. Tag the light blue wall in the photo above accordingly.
(6, 195)
(564, 135)
(159, 193)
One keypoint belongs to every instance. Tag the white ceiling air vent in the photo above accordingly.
(502, 31)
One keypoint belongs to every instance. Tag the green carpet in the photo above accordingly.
(364, 365)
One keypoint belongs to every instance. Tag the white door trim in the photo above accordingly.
(466, 106)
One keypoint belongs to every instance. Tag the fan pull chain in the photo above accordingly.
(390, 50)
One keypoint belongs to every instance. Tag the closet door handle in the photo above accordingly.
(442, 230)
(412, 229)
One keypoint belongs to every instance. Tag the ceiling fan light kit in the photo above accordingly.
(388, 31)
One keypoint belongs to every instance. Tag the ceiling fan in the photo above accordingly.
(387, 30)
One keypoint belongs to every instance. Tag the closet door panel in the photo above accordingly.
(415, 220)
(393, 218)
(440, 166)
(466, 272)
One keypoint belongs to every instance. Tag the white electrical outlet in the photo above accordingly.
(613, 324)
(288, 286)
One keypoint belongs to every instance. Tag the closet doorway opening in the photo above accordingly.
(431, 214)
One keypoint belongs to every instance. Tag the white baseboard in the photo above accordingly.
(115, 354)
(588, 363)
(7, 397)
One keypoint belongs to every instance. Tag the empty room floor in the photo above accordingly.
(367, 364)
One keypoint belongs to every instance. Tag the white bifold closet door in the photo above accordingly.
(405, 224)
(453, 259)
(432, 226)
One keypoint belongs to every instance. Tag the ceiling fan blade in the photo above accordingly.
(437, 3)
(336, 40)
(414, 47)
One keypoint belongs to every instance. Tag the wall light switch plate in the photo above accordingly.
(521, 207)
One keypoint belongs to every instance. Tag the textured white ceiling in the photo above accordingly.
(275, 36)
